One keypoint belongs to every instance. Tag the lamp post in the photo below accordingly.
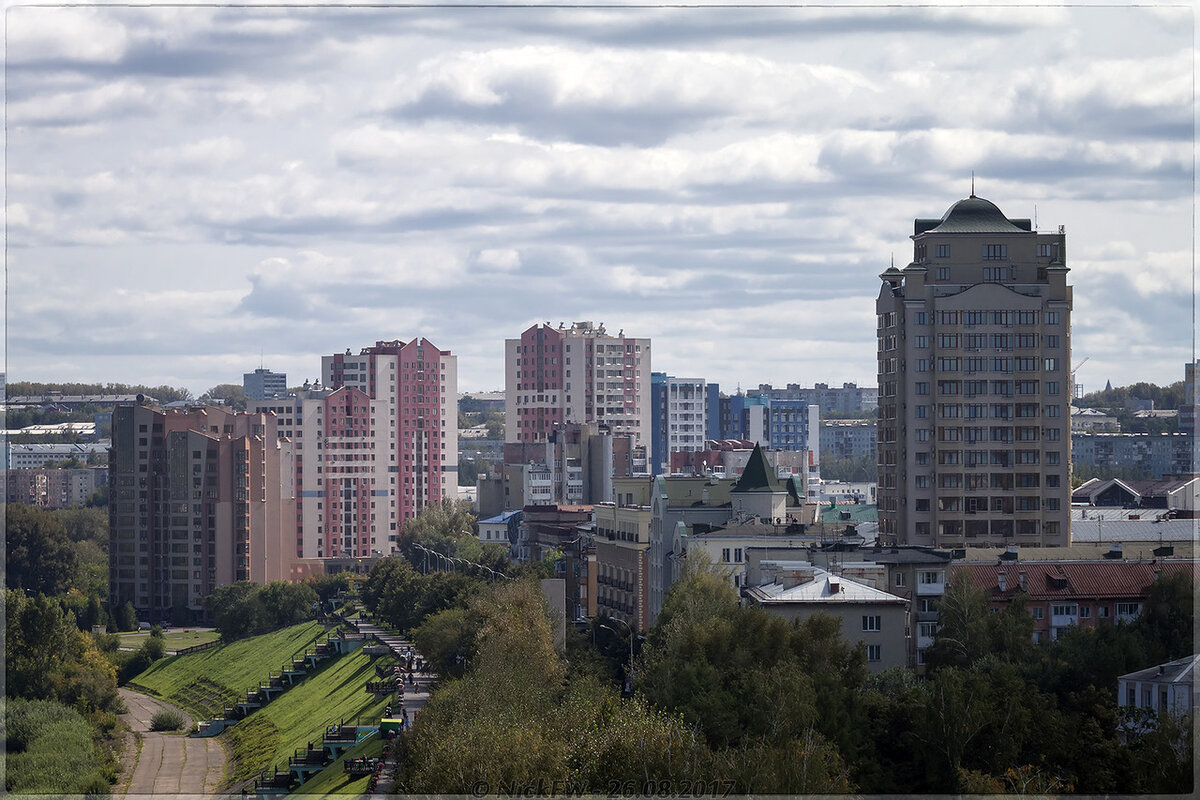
(629, 671)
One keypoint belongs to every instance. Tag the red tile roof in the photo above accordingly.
(1048, 580)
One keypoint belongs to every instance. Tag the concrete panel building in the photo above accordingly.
(199, 498)
(375, 444)
(974, 351)
(576, 374)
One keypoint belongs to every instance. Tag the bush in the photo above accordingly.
(166, 721)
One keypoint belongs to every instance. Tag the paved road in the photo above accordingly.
(169, 763)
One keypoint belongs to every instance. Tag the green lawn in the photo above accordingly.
(202, 682)
(334, 781)
(300, 715)
(176, 640)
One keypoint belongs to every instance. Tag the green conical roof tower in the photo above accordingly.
(757, 477)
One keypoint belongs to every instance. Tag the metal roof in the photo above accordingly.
(823, 588)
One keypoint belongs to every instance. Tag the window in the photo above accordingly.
(725, 555)
(921, 318)
(873, 652)
(1051, 317)
(943, 251)
(928, 577)
(1085, 612)
(1043, 250)
(1052, 341)
(921, 341)
(1064, 610)
(1128, 609)
(1037, 612)
(922, 412)
(900, 575)
(995, 252)
(926, 630)
(943, 273)
(921, 388)
(995, 274)
(872, 622)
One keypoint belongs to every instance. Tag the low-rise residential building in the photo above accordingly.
(1094, 420)
(848, 438)
(502, 529)
(1061, 594)
(917, 574)
(795, 590)
(35, 455)
(1168, 687)
(53, 488)
(1152, 455)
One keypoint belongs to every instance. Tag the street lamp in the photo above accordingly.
(628, 672)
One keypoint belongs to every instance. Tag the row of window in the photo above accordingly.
(979, 317)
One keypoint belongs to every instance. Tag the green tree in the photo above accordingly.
(127, 619)
(231, 394)
(1167, 621)
(40, 556)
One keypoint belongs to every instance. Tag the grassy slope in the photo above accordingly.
(231, 668)
(334, 781)
(335, 692)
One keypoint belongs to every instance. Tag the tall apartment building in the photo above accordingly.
(974, 341)
(679, 419)
(576, 374)
(262, 384)
(199, 498)
(376, 444)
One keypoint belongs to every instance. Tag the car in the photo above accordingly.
(144, 626)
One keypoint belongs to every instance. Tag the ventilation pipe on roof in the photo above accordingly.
(1002, 581)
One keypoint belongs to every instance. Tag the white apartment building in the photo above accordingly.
(686, 413)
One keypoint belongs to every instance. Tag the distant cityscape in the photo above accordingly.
(965, 449)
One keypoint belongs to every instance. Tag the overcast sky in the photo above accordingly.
(192, 189)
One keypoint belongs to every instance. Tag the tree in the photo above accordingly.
(231, 394)
(40, 556)
(1167, 622)
(127, 619)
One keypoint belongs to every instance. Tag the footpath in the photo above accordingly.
(166, 763)
(415, 697)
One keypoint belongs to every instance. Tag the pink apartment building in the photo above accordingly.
(576, 374)
(374, 446)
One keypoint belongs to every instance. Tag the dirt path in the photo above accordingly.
(169, 763)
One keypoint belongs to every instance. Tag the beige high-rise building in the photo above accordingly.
(974, 344)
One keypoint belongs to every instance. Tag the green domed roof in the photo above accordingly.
(974, 215)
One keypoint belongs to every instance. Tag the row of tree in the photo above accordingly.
(733, 695)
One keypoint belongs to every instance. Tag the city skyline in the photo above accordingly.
(195, 192)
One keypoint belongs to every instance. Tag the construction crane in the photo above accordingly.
(1074, 385)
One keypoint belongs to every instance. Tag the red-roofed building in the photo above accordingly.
(1060, 594)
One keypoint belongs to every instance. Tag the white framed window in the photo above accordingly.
(874, 652)
(872, 622)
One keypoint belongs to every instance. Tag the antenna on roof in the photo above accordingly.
(972, 183)
(1035, 216)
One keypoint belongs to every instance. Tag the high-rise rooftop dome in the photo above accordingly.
(973, 215)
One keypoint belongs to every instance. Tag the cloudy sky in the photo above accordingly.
(192, 189)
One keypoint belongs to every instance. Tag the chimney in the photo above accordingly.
(1021, 580)
(1002, 581)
